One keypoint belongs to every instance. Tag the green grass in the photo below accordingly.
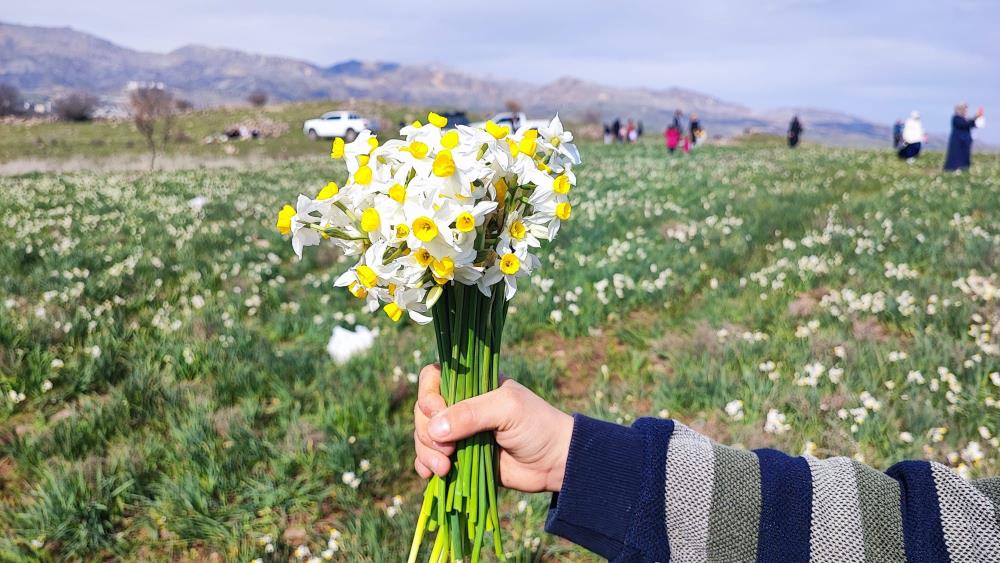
(119, 139)
(197, 412)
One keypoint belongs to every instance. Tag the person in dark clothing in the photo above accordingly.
(794, 130)
(897, 134)
(659, 491)
(959, 156)
(616, 128)
(676, 123)
(695, 128)
(638, 129)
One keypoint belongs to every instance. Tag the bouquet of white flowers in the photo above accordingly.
(443, 223)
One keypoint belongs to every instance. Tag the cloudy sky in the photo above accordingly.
(877, 59)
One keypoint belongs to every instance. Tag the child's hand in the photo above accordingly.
(533, 435)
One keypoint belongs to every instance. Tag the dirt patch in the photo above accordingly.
(806, 302)
(577, 359)
(869, 330)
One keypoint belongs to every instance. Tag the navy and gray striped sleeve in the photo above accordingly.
(659, 491)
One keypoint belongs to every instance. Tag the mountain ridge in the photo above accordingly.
(50, 61)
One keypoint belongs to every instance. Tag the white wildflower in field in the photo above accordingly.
(906, 437)
(775, 423)
(835, 374)
(350, 479)
(809, 448)
(735, 409)
(972, 452)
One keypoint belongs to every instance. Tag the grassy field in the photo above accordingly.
(119, 140)
(167, 395)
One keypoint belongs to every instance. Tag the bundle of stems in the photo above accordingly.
(461, 507)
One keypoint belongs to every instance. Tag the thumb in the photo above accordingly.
(482, 413)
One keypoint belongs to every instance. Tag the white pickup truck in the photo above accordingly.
(340, 123)
(515, 120)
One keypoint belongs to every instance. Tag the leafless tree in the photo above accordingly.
(75, 107)
(11, 102)
(257, 98)
(152, 112)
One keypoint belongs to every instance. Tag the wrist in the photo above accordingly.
(560, 450)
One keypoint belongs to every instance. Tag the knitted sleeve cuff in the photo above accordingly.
(601, 488)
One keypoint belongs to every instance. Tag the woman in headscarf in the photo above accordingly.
(960, 142)
(912, 138)
(794, 130)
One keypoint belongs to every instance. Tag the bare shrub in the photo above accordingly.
(77, 106)
(152, 113)
(11, 102)
(257, 98)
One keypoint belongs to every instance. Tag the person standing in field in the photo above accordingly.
(913, 138)
(616, 128)
(897, 133)
(607, 134)
(673, 132)
(695, 129)
(630, 132)
(959, 156)
(794, 130)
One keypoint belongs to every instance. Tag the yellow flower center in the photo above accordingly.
(397, 192)
(449, 140)
(555, 141)
(465, 222)
(527, 145)
(363, 159)
(501, 187)
(370, 220)
(418, 149)
(563, 210)
(402, 231)
(425, 229)
(367, 276)
(443, 268)
(284, 224)
(517, 229)
(444, 165)
(328, 191)
(561, 184)
(513, 148)
(509, 264)
(497, 131)
(372, 143)
(393, 311)
(337, 150)
(423, 257)
(357, 290)
(437, 120)
(363, 176)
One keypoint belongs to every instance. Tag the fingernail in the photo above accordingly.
(438, 427)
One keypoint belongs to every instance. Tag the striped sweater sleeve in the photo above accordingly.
(659, 491)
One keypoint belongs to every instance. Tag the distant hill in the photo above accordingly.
(45, 61)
